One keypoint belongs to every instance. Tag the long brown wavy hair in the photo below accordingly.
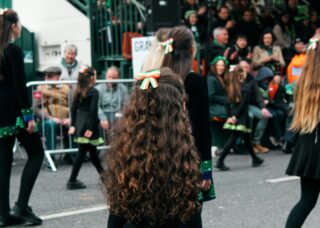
(152, 166)
(307, 95)
(233, 84)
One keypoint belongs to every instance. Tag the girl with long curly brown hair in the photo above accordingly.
(152, 177)
(305, 160)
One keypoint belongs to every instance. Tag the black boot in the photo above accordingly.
(25, 214)
(221, 166)
(256, 161)
(287, 147)
(75, 184)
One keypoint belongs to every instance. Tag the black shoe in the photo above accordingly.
(9, 221)
(68, 159)
(76, 184)
(25, 214)
(287, 147)
(257, 162)
(222, 167)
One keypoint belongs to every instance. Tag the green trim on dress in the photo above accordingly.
(208, 195)
(13, 130)
(27, 111)
(206, 166)
(233, 127)
(84, 140)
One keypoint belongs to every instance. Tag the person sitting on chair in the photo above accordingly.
(51, 106)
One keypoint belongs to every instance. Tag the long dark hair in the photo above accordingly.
(233, 84)
(264, 32)
(152, 165)
(7, 19)
(84, 82)
(180, 59)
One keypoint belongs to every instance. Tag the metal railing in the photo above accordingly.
(61, 142)
(114, 24)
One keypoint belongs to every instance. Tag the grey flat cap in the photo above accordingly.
(53, 70)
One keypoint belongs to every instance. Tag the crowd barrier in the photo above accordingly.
(46, 93)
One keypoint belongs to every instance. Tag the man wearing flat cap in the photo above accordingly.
(51, 106)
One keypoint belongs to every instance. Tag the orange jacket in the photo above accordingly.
(295, 67)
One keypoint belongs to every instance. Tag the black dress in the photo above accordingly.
(84, 116)
(240, 111)
(198, 110)
(115, 221)
(15, 107)
(15, 113)
(305, 160)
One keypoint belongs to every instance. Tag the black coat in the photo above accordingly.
(242, 54)
(255, 96)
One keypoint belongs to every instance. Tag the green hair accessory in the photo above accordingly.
(218, 58)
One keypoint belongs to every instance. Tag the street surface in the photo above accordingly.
(246, 197)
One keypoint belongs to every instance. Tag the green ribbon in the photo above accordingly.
(233, 127)
(84, 140)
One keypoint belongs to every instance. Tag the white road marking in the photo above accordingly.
(74, 212)
(282, 179)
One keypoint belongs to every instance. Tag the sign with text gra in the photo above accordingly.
(140, 48)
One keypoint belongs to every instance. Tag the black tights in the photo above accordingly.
(83, 148)
(231, 143)
(309, 195)
(33, 146)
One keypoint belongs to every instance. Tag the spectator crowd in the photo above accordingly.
(269, 40)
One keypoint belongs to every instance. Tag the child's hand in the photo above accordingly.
(104, 124)
(71, 130)
(275, 58)
(31, 126)
(206, 185)
(66, 122)
(231, 120)
(88, 134)
(265, 113)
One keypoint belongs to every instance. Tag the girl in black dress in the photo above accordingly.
(238, 117)
(85, 124)
(152, 177)
(17, 121)
(179, 54)
(305, 160)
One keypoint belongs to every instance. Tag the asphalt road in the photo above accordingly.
(245, 198)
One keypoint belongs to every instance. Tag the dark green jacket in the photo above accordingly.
(217, 98)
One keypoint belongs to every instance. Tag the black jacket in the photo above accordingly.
(255, 96)
(242, 54)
